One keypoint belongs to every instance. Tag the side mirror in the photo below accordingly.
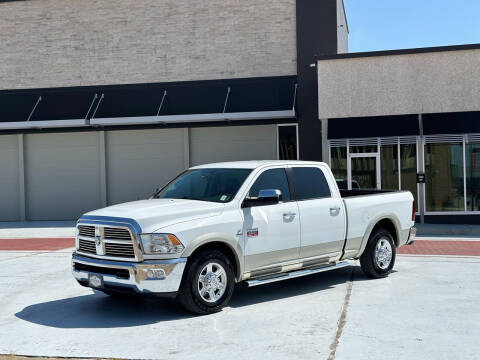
(265, 197)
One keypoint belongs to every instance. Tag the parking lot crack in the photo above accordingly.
(342, 320)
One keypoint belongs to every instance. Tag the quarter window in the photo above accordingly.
(310, 183)
(271, 179)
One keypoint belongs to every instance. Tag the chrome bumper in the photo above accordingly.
(147, 277)
(411, 236)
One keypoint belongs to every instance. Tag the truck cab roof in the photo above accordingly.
(253, 164)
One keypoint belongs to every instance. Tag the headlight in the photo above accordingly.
(161, 244)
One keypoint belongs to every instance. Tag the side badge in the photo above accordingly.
(252, 232)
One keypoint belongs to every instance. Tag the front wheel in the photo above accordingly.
(378, 258)
(208, 283)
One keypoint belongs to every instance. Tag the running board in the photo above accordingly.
(298, 273)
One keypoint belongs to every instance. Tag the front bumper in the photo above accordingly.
(147, 277)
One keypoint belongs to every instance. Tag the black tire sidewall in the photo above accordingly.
(378, 236)
(189, 296)
(367, 260)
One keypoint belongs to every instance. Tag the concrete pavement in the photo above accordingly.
(427, 308)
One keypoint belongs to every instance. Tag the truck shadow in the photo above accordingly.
(101, 311)
(245, 296)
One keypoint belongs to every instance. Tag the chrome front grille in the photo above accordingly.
(86, 230)
(119, 250)
(87, 246)
(116, 233)
(113, 242)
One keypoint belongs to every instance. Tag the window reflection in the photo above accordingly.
(408, 164)
(444, 177)
(472, 160)
(389, 166)
(339, 165)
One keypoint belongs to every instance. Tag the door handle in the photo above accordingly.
(289, 214)
(334, 211)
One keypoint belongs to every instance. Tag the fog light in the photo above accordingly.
(156, 274)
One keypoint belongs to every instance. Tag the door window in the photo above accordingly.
(271, 179)
(310, 183)
(364, 172)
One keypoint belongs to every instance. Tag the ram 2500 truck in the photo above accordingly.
(255, 222)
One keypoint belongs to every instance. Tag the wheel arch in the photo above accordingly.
(228, 245)
(388, 222)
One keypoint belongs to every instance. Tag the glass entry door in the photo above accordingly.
(364, 171)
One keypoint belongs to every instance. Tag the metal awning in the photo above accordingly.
(270, 98)
(195, 118)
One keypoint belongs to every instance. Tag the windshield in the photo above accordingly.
(216, 185)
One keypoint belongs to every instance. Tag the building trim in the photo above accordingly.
(14, 125)
(399, 52)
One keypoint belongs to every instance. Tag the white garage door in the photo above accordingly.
(138, 161)
(9, 184)
(62, 175)
(233, 143)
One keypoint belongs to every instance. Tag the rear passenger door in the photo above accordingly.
(322, 216)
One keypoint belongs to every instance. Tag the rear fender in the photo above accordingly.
(390, 216)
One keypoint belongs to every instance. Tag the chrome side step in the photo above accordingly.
(298, 273)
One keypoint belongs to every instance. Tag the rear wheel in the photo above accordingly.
(378, 258)
(208, 283)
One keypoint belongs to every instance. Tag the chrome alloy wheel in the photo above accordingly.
(383, 253)
(212, 282)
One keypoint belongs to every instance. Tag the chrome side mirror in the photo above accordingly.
(265, 197)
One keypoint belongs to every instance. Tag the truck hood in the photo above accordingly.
(154, 214)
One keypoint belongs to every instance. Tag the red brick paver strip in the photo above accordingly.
(420, 247)
(442, 247)
(37, 244)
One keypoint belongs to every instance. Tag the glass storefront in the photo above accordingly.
(452, 169)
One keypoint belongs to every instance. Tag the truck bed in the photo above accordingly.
(362, 192)
(366, 207)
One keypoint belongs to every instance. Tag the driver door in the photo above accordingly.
(271, 232)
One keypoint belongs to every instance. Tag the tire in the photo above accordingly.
(216, 289)
(381, 243)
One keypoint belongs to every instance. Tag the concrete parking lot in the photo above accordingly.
(426, 309)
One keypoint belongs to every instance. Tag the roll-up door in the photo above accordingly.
(62, 175)
(139, 161)
(9, 182)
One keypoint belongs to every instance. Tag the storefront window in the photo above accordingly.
(287, 142)
(339, 165)
(389, 166)
(408, 165)
(444, 190)
(472, 160)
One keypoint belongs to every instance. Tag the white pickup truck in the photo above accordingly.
(256, 222)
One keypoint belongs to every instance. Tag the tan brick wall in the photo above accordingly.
(49, 43)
